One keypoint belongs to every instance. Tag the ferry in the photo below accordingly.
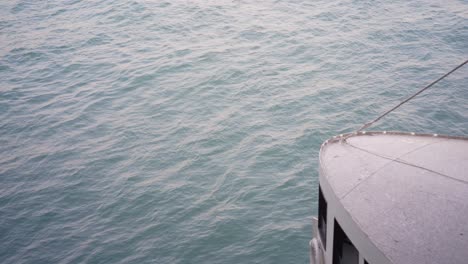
(392, 197)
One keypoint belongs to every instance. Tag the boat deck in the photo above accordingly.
(407, 192)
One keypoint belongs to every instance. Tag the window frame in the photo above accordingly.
(340, 238)
(322, 218)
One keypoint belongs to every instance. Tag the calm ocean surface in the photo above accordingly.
(188, 131)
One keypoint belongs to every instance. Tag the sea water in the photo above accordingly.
(188, 131)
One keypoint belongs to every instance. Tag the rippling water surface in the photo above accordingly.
(188, 131)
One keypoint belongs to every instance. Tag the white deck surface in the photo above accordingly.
(408, 193)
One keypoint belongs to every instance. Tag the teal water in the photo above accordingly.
(188, 131)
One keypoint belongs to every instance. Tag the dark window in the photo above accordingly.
(322, 221)
(344, 252)
(365, 262)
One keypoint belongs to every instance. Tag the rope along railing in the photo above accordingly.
(366, 125)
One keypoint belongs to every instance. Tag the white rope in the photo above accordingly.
(366, 125)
